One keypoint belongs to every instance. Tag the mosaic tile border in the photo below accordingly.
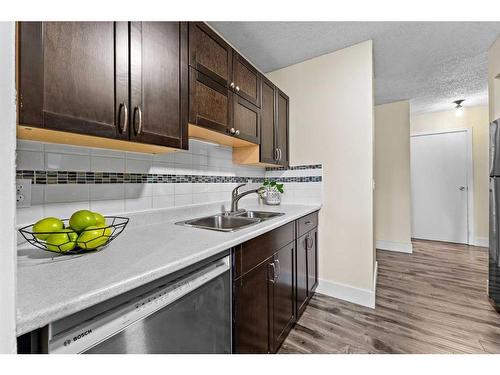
(76, 177)
(295, 167)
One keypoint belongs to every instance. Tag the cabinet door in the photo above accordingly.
(209, 102)
(312, 262)
(282, 113)
(267, 129)
(73, 76)
(246, 120)
(252, 301)
(301, 277)
(159, 96)
(246, 80)
(283, 304)
(209, 54)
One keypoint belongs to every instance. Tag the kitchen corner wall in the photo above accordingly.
(392, 177)
(68, 178)
(331, 121)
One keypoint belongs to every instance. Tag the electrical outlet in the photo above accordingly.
(23, 193)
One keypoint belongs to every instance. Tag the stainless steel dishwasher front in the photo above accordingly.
(191, 314)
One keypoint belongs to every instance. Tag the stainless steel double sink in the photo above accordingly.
(230, 222)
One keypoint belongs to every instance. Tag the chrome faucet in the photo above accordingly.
(235, 197)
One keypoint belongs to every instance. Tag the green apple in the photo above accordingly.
(93, 237)
(82, 219)
(100, 221)
(49, 224)
(62, 242)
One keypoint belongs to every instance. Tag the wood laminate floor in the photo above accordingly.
(431, 301)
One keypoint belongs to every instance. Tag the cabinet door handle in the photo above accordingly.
(139, 114)
(237, 88)
(273, 267)
(278, 273)
(276, 154)
(123, 128)
(308, 222)
(310, 244)
(232, 131)
(279, 149)
(232, 85)
(237, 132)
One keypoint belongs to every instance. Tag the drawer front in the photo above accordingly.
(306, 223)
(253, 252)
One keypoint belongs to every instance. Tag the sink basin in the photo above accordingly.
(263, 215)
(221, 223)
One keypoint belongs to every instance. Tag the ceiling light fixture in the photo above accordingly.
(459, 110)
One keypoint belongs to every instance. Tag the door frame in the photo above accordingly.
(470, 175)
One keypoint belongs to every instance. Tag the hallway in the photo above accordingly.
(431, 301)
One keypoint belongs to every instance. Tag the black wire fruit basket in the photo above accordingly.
(67, 241)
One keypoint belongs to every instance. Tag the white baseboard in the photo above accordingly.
(481, 241)
(359, 296)
(394, 246)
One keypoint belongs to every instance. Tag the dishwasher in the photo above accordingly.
(189, 312)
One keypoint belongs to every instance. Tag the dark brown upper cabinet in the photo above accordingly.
(121, 81)
(246, 80)
(158, 83)
(209, 102)
(282, 134)
(268, 148)
(246, 120)
(209, 53)
(73, 76)
(224, 89)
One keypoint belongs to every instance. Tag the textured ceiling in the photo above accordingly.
(430, 63)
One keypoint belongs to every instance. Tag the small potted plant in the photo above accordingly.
(272, 194)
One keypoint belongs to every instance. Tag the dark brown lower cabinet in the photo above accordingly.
(252, 303)
(275, 275)
(283, 308)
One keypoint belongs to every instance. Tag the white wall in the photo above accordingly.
(494, 80)
(331, 122)
(475, 118)
(392, 177)
(7, 206)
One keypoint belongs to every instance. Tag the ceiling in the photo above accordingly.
(430, 63)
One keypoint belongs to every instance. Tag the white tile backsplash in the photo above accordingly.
(67, 162)
(203, 158)
(106, 164)
(30, 160)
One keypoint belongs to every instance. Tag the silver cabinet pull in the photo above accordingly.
(276, 154)
(232, 131)
(309, 243)
(308, 222)
(232, 85)
(461, 188)
(278, 268)
(123, 128)
(237, 88)
(138, 130)
(273, 267)
(279, 149)
(237, 132)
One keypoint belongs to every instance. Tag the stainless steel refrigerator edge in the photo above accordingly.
(494, 246)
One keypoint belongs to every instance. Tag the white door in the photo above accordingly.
(439, 186)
